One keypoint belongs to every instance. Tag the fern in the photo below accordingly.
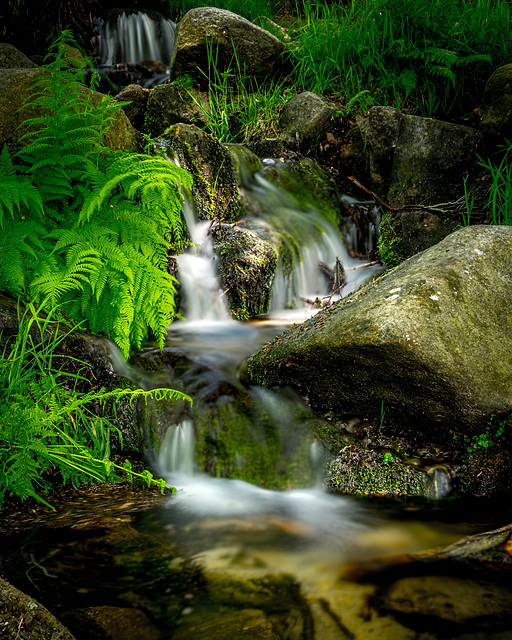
(47, 424)
(17, 193)
(106, 220)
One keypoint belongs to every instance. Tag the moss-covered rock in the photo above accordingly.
(22, 616)
(16, 86)
(170, 104)
(430, 340)
(215, 190)
(247, 265)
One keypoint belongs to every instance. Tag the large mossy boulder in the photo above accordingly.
(169, 104)
(429, 343)
(207, 35)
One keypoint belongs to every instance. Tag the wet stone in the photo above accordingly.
(449, 599)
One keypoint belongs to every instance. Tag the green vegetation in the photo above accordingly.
(500, 193)
(50, 430)
(427, 58)
(85, 228)
(488, 438)
(241, 109)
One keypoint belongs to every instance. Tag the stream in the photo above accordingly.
(277, 558)
(225, 558)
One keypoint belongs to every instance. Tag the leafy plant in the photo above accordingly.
(49, 426)
(83, 227)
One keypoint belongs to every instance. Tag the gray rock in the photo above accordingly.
(305, 118)
(496, 107)
(168, 105)
(430, 341)
(430, 161)
(12, 58)
(23, 617)
(412, 160)
(258, 52)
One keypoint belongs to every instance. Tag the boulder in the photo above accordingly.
(12, 58)
(215, 190)
(169, 104)
(230, 40)
(414, 160)
(496, 107)
(430, 160)
(429, 343)
(305, 119)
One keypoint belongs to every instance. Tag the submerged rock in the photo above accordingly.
(209, 36)
(428, 342)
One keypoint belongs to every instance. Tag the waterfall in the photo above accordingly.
(202, 296)
(134, 37)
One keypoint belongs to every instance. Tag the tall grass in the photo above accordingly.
(49, 428)
(250, 9)
(240, 108)
(422, 56)
(499, 204)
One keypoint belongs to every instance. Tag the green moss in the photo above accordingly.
(390, 245)
(215, 190)
(371, 472)
(308, 185)
(232, 443)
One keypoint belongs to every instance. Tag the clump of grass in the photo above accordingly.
(240, 108)
(499, 204)
(49, 429)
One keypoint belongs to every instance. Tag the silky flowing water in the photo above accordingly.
(223, 558)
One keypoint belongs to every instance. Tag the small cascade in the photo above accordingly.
(361, 225)
(176, 455)
(134, 37)
(201, 293)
